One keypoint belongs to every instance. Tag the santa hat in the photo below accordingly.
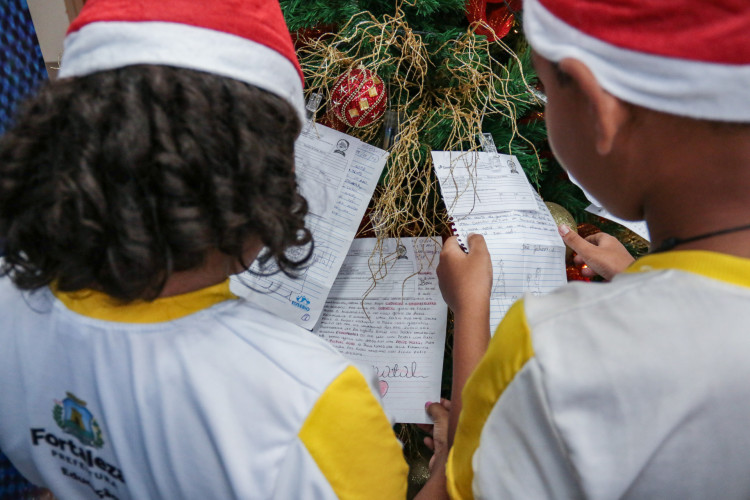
(683, 57)
(246, 40)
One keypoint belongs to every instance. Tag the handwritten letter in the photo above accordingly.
(398, 331)
(337, 175)
(528, 255)
(476, 182)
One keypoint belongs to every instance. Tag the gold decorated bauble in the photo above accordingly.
(562, 216)
(635, 242)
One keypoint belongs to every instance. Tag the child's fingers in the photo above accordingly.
(579, 245)
(598, 238)
(451, 245)
(587, 272)
(602, 253)
(604, 241)
(425, 427)
(428, 428)
(578, 260)
(439, 415)
(476, 243)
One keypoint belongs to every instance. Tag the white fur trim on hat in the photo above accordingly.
(701, 90)
(103, 46)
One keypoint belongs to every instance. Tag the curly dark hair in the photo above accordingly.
(116, 180)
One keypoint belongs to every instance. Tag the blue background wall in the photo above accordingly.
(21, 71)
(21, 63)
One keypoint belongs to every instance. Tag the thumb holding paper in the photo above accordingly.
(465, 278)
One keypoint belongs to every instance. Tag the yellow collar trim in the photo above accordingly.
(718, 266)
(99, 305)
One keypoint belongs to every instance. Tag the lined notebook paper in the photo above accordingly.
(488, 193)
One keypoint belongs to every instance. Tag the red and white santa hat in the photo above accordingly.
(684, 57)
(242, 39)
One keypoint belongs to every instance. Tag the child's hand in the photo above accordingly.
(435, 488)
(437, 441)
(603, 254)
(465, 279)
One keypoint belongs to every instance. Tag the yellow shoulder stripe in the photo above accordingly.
(99, 305)
(509, 350)
(352, 442)
(718, 266)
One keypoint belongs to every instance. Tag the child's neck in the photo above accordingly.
(215, 270)
(700, 188)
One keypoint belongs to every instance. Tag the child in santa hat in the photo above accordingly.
(636, 388)
(160, 163)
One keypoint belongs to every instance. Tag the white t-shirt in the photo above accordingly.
(196, 396)
(638, 388)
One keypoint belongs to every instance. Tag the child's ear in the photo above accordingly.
(607, 111)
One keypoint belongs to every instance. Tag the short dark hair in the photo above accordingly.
(116, 180)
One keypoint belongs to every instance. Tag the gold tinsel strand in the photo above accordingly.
(406, 204)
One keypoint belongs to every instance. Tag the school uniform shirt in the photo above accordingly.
(196, 396)
(638, 388)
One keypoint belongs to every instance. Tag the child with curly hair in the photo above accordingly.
(160, 163)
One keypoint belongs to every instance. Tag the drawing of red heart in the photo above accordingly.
(383, 388)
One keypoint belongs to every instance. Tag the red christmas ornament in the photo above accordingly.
(533, 117)
(358, 97)
(585, 229)
(497, 14)
(330, 121)
(574, 273)
(304, 35)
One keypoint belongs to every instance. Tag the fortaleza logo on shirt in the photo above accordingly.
(74, 418)
(79, 461)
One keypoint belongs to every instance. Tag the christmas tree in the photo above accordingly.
(438, 73)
